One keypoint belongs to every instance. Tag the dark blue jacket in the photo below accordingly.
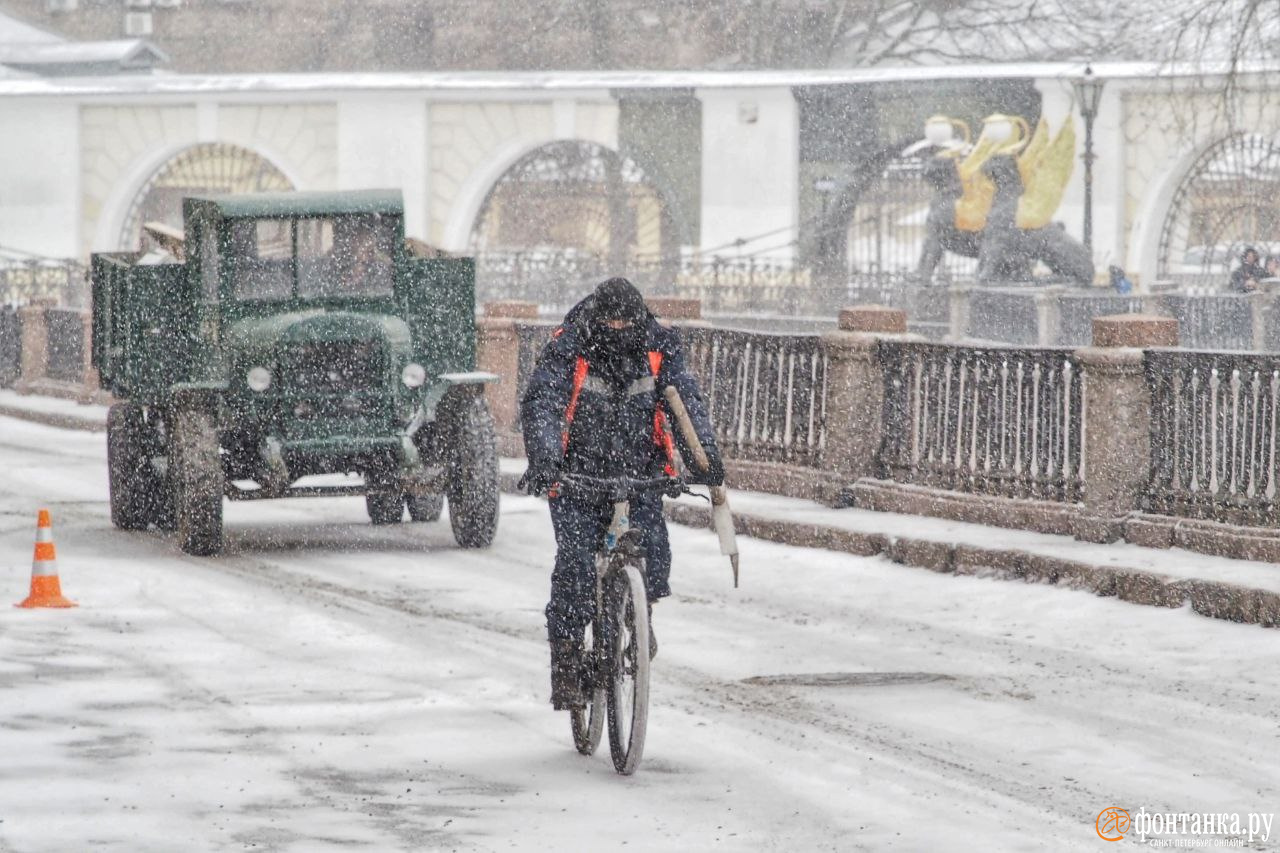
(612, 432)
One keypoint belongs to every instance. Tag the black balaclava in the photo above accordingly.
(615, 351)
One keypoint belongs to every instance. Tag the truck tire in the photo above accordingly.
(198, 482)
(384, 506)
(130, 478)
(425, 507)
(472, 472)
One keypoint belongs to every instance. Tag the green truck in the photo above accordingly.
(286, 336)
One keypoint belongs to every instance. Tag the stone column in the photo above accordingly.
(1260, 306)
(35, 345)
(91, 386)
(498, 351)
(674, 309)
(1117, 420)
(855, 388)
(959, 313)
(1048, 316)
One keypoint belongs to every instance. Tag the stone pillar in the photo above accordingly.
(498, 351)
(35, 345)
(1048, 316)
(855, 388)
(959, 313)
(91, 386)
(674, 309)
(1260, 305)
(1117, 420)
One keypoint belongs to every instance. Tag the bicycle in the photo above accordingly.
(616, 646)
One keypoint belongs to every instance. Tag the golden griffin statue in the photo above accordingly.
(997, 195)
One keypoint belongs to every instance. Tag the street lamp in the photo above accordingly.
(1089, 94)
(824, 187)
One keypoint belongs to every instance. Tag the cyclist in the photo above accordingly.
(594, 406)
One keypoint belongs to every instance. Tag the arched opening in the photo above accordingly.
(566, 215)
(1229, 198)
(214, 168)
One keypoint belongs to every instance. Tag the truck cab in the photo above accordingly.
(284, 336)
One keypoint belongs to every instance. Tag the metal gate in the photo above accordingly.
(1227, 200)
(565, 215)
(886, 229)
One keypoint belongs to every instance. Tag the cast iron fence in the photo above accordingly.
(1213, 435)
(556, 280)
(991, 420)
(27, 279)
(1214, 320)
(766, 393)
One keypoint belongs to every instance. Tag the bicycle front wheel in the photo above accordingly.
(627, 610)
(588, 723)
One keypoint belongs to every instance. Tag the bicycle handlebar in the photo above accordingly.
(621, 488)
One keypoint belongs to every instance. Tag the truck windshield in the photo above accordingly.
(346, 256)
(262, 258)
(336, 256)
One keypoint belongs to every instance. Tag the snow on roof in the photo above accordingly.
(476, 82)
(13, 30)
(127, 53)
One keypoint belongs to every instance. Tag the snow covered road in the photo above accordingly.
(328, 685)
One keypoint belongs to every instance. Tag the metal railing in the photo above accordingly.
(27, 279)
(556, 280)
(1220, 321)
(1213, 435)
(766, 393)
(996, 421)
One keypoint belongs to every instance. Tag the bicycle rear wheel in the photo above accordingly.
(588, 723)
(627, 610)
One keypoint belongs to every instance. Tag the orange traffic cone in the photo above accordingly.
(46, 591)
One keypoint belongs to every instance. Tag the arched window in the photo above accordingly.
(1229, 198)
(575, 197)
(208, 169)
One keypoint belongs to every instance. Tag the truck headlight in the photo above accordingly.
(258, 379)
(413, 375)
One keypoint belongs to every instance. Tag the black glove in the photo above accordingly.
(539, 478)
(712, 477)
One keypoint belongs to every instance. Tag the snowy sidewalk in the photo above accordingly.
(52, 411)
(1239, 590)
(1223, 588)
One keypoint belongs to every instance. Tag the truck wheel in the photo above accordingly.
(385, 507)
(472, 486)
(131, 481)
(196, 469)
(425, 508)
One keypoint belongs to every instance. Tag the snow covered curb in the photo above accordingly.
(53, 411)
(1218, 599)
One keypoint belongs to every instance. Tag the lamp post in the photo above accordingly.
(1089, 94)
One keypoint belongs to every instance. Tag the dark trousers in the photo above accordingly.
(580, 527)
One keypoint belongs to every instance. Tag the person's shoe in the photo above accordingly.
(566, 675)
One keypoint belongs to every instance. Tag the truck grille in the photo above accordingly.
(336, 367)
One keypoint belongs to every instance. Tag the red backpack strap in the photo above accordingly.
(655, 362)
(580, 369)
(661, 434)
